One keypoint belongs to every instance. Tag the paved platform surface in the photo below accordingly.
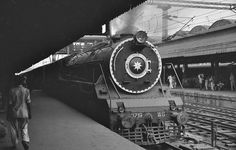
(231, 94)
(55, 126)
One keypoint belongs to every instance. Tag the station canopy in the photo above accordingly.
(32, 30)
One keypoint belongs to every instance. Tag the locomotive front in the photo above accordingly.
(135, 64)
(140, 110)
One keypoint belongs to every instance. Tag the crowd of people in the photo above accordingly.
(208, 83)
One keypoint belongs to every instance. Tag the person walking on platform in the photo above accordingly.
(212, 83)
(200, 80)
(232, 81)
(206, 83)
(19, 112)
(170, 79)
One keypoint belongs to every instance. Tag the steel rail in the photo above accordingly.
(219, 124)
(219, 114)
(208, 129)
(222, 109)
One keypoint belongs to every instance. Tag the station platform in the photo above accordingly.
(55, 126)
(214, 98)
(230, 94)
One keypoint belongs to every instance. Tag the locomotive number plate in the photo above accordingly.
(137, 115)
(161, 114)
(141, 115)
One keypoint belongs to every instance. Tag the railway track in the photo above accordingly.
(218, 110)
(205, 119)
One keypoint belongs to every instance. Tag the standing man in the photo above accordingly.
(19, 112)
(170, 79)
(200, 81)
(212, 83)
(232, 81)
(206, 83)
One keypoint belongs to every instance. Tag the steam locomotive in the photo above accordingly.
(115, 82)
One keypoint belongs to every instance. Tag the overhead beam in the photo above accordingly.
(194, 4)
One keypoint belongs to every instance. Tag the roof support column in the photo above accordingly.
(164, 20)
(215, 70)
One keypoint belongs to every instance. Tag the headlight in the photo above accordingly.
(128, 121)
(141, 37)
(121, 109)
(182, 118)
(148, 117)
(172, 105)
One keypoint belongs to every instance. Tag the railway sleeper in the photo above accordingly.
(231, 145)
(226, 141)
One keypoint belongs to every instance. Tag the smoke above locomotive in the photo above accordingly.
(134, 62)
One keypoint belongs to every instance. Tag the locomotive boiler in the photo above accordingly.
(116, 82)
